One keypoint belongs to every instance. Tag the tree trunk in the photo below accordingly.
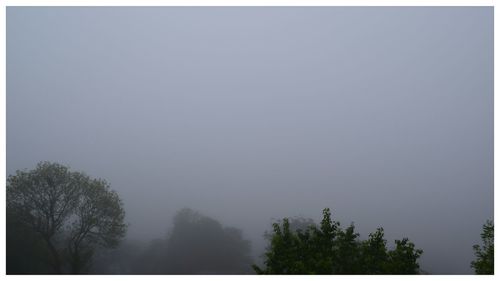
(75, 267)
(75, 263)
(56, 264)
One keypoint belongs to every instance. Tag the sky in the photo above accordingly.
(249, 114)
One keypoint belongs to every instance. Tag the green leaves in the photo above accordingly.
(374, 255)
(330, 249)
(403, 259)
(484, 263)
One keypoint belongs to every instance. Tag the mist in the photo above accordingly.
(252, 114)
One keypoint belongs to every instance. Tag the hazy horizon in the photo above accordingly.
(384, 115)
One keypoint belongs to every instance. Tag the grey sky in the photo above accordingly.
(385, 115)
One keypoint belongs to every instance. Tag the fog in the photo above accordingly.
(384, 115)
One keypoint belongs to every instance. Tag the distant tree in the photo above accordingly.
(152, 259)
(295, 224)
(127, 258)
(301, 224)
(329, 249)
(484, 263)
(68, 212)
(199, 244)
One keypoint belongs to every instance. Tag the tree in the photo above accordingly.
(329, 249)
(199, 244)
(69, 212)
(403, 259)
(374, 256)
(25, 251)
(347, 252)
(484, 263)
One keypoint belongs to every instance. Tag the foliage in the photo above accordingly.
(329, 249)
(484, 263)
(68, 213)
(199, 244)
(374, 255)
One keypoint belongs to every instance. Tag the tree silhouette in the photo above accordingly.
(69, 212)
(199, 244)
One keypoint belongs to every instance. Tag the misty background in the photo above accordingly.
(384, 115)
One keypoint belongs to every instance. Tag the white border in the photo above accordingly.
(6, 3)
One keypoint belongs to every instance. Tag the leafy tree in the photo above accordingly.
(347, 252)
(68, 212)
(329, 249)
(484, 263)
(403, 259)
(374, 256)
(284, 247)
(199, 244)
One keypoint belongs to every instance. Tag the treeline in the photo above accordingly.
(59, 221)
(305, 248)
(197, 244)
(62, 222)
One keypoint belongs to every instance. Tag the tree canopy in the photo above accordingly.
(199, 244)
(485, 263)
(329, 249)
(66, 214)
